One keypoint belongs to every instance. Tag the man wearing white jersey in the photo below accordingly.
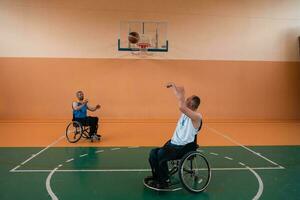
(187, 127)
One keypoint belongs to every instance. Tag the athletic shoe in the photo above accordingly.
(152, 183)
(148, 178)
(162, 185)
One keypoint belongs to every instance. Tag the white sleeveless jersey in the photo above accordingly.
(185, 131)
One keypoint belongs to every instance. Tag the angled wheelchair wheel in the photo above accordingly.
(194, 172)
(74, 131)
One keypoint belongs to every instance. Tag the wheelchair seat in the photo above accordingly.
(186, 149)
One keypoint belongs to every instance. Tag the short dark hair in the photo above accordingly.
(79, 91)
(196, 102)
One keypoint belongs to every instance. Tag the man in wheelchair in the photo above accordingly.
(183, 139)
(80, 108)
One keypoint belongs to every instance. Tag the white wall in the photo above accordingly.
(201, 30)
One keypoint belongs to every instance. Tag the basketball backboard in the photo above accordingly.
(152, 34)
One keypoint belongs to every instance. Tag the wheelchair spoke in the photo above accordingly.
(194, 172)
(187, 171)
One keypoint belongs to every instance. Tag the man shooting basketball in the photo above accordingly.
(187, 127)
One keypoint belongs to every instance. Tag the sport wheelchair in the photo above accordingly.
(193, 169)
(75, 130)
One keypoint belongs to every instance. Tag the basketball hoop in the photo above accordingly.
(143, 36)
(142, 48)
(143, 45)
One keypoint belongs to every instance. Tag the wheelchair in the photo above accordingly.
(193, 169)
(75, 131)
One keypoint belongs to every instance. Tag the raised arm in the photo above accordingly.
(180, 95)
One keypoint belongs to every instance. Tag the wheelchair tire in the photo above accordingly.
(74, 132)
(194, 172)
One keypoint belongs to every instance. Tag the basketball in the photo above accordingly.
(133, 37)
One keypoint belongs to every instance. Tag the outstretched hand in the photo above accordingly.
(170, 84)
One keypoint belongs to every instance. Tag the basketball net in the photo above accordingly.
(142, 46)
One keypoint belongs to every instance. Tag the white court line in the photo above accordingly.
(34, 155)
(242, 164)
(215, 154)
(233, 141)
(15, 168)
(113, 149)
(70, 160)
(136, 170)
(48, 185)
(261, 185)
(83, 155)
(228, 158)
(99, 151)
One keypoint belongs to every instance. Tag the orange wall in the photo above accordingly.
(43, 88)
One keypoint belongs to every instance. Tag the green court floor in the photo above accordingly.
(117, 173)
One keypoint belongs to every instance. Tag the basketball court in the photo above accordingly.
(240, 58)
(84, 170)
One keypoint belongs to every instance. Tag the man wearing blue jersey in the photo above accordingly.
(187, 127)
(80, 108)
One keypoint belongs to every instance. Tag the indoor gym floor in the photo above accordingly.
(249, 160)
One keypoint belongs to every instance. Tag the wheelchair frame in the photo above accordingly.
(179, 165)
(185, 173)
(79, 131)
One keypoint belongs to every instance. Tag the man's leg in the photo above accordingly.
(93, 123)
(153, 160)
(158, 161)
(164, 155)
(96, 120)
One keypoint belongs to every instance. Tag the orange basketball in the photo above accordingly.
(133, 37)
